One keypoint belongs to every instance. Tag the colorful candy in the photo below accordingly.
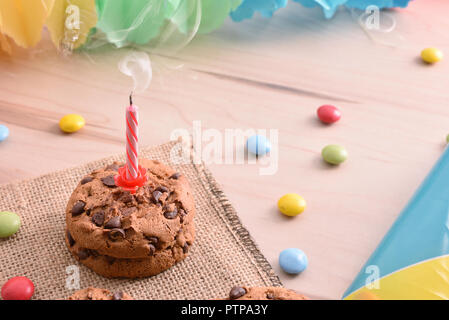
(334, 154)
(328, 113)
(4, 132)
(9, 224)
(291, 204)
(293, 260)
(258, 145)
(447, 138)
(431, 55)
(71, 123)
(18, 288)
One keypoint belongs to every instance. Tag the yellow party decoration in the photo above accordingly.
(4, 43)
(22, 20)
(70, 21)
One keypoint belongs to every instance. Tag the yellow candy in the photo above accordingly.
(431, 55)
(291, 204)
(71, 123)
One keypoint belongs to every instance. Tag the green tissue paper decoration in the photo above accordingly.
(139, 21)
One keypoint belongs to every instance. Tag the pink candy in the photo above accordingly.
(328, 113)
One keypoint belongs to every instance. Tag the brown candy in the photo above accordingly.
(86, 179)
(116, 234)
(270, 296)
(78, 208)
(98, 218)
(236, 293)
(185, 248)
(109, 181)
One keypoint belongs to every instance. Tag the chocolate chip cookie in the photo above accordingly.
(264, 293)
(119, 234)
(99, 294)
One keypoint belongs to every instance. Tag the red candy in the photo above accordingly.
(328, 114)
(18, 288)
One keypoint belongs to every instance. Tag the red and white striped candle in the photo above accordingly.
(132, 141)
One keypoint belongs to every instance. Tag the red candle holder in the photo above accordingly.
(130, 185)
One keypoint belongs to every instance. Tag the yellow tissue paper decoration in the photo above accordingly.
(22, 20)
(4, 43)
(70, 21)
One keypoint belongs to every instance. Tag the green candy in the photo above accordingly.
(334, 154)
(9, 224)
(447, 138)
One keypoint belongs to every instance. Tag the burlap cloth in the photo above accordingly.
(223, 255)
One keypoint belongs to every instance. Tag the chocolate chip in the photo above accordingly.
(270, 296)
(93, 253)
(175, 176)
(110, 260)
(127, 211)
(171, 214)
(152, 249)
(86, 180)
(141, 198)
(182, 214)
(78, 208)
(162, 189)
(157, 195)
(126, 197)
(118, 295)
(109, 181)
(98, 218)
(113, 223)
(153, 240)
(71, 240)
(185, 248)
(116, 234)
(83, 254)
(236, 293)
(112, 167)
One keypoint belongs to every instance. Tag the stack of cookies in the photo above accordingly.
(119, 234)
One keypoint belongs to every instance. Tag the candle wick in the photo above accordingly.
(131, 99)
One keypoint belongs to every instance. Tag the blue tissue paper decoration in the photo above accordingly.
(267, 7)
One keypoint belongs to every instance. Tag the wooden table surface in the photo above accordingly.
(262, 73)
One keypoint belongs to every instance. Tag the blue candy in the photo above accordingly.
(258, 145)
(293, 260)
(4, 132)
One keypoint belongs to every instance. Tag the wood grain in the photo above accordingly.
(262, 74)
